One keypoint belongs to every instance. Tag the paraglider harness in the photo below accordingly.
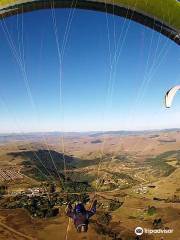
(81, 216)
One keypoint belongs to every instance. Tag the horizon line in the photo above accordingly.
(90, 131)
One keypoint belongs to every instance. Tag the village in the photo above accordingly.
(9, 174)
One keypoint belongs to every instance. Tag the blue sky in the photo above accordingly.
(97, 92)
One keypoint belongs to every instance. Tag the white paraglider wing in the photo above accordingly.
(170, 96)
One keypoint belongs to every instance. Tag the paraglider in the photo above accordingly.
(81, 216)
(146, 13)
(170, 96)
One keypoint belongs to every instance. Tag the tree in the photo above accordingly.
(104, 218)
(151, 210)
(52, 188)
(3, 189)
(114, 205)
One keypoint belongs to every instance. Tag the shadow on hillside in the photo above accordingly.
(50, 162)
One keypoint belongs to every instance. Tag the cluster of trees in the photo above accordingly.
(43, 206)
(75, 186)
(151, 210)
(72, 198)
(37, 206)
(161, 167)
(114, 205)
(110, 205)
(104, 218)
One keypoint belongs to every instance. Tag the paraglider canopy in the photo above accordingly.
(160, 15)
(170, 96)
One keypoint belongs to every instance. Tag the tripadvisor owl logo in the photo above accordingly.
(139, 231)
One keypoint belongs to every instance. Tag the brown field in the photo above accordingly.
(118, 159)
